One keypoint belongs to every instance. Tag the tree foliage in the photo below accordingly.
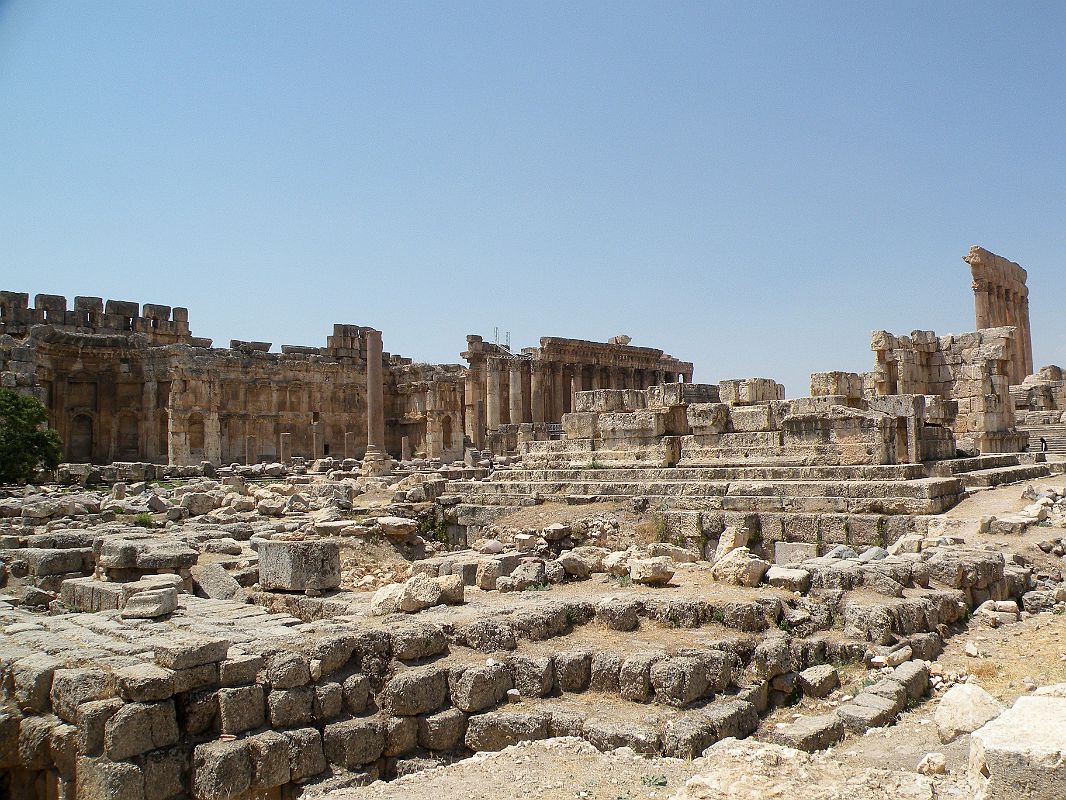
(24, 444)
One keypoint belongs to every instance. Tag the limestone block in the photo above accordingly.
(730, 539)
(222, 769)
(181, 652)
(495, 730)
(241, 709)
(964, 708)
(740, 567)
(353, 742)
(638, 424)
(386, 600)
(751, 419)
(473, 688)
(213, 581)
(1022, 753)
(789, 579)
(397, 527)
(810, 733)
(708, 418)
(679, 680)
(145, 683)
(32, 678)
(819, 681)
(306, 757)
(656, 571)
(419, 690)
(299, 565)
(443, 730)
(139, 727)
(573, 670)
(793, 553)
(151, 604)
(72, 687)
(581, 425)
(599, 400)
(101, 778)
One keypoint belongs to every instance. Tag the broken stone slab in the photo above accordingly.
(810, 733)
(740, 567)
(655, 571)
(397, 527)
(299, 566)
(151, 604)
(819, 681)
(1022, 753)
(788, 578)
(213, 581)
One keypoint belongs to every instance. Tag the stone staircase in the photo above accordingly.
(820, 505)
(1055, 434)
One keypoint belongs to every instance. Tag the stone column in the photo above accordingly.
(375, 397)
(316, 440)
(284, 447)
(492, 394)
(536, 391)
(249, 450)
(559, 388)
(1017, 365)
(1028, 337)
(474, 404)
(405, 448)
(981, 303)
(515, 394)
(349, 444)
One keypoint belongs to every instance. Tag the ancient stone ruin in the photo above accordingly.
(334, 572)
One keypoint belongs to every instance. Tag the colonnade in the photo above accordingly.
(521, 390)
(1001, 298)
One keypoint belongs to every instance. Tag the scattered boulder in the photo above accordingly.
(964, 708)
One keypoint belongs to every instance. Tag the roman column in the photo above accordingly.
(981, 303)
(492, 394)
(514, 395)
(375, 398)
(536, 391)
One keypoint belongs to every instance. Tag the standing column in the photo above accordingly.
(515, 394)
(492, 394)
(1028, 338)
(1016, 365)
(285, 448)
(474, 391)
(375, 397)
(559, 388)
(981, 303)
(536, 391)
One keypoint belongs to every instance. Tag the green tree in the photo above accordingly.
(24, 444)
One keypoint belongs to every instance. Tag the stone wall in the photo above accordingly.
(123, 384)
(971, 369)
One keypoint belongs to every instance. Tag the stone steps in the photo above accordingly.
(1055, 434)
(1004, 475)
(888, 472)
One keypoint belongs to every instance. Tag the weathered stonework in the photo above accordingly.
(537, 386)
(127, 386)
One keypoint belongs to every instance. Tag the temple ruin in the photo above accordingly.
(331, 573)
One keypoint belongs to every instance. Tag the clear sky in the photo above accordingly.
(750, 186)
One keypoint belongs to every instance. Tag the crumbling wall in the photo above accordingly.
(971, 369)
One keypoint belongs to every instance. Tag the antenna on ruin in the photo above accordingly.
(508, 341)
(496, 336)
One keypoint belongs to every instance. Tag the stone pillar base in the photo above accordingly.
(375, 463)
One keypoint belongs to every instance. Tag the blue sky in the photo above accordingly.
(750, 186)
